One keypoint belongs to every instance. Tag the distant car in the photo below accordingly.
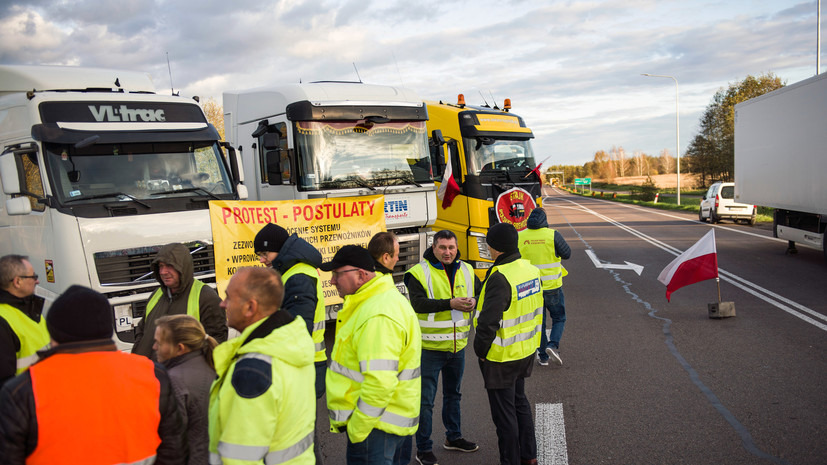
(719, 203)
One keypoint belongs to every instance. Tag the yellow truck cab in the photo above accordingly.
(490, 154)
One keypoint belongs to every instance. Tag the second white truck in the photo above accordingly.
(339, 139)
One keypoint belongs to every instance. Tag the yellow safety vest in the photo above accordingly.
(319, 316)
(537, 246)
(33, 335)
(193, 308)
(277, 426)
(377, 342)
(519, 333)
(439, 330)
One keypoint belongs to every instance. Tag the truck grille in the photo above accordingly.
(132, 266)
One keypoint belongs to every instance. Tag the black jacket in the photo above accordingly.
(18, 413)
(300, 296)
(497, 298)
(191, 378)
(31, 306)
(419, 296)
(212, 315)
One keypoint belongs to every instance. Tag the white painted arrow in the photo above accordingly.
(628, 266)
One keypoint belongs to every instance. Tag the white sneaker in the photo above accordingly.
(540, 361)
(553, 354)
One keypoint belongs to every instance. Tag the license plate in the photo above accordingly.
(123, 317)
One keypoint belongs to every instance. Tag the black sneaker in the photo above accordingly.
(426, 458)
(461, 445)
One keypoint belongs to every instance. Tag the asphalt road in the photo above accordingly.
(645, 381)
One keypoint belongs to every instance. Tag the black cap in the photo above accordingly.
(80, 314)
(502, 237)
(270, 238)
(350, 255)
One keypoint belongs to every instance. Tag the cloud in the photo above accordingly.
(572, 69)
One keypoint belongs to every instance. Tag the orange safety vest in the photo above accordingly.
(96, 408)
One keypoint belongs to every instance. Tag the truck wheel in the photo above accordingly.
(701, 216)
(713, 217)
(751, 221)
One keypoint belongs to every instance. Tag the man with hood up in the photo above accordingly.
(180, 293)
(545, 248)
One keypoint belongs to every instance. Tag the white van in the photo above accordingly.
(719, 203)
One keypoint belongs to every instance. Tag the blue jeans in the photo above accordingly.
(379, 448)
(555, 304)
(452, 365)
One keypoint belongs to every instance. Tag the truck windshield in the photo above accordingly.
(136, 172)
(346, 154)
(487, 155)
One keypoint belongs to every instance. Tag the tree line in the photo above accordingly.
(711, 154)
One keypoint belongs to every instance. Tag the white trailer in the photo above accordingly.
(338, 139)
(781, 159)
(98, 172)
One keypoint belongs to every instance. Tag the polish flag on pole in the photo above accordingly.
(698, 263)
(449, 188)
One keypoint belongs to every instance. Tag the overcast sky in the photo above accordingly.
(571, 69)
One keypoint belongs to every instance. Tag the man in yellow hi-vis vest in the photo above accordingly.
(443, 292)
(262, 406)
(508, 324)
(297, 261)
(545, 248)
(373, 383)
(22, 328)
(180, 293)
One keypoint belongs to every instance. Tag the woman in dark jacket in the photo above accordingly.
(185, 350)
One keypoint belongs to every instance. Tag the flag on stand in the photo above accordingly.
(697, 263)
(449, 188)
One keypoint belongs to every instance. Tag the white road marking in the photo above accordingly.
(551, 435)
(766, 295)
(628, 266)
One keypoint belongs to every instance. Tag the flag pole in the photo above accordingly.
(718, 280)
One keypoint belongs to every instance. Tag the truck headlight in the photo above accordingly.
(482, 247)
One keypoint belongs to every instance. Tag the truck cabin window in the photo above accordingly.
(347, 154)
(141, 171)
(487, 155)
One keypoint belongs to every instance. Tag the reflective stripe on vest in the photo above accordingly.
(33, 335)
(319, 314)
(519, 331)
(193, 309)
(537, 246)
(439, 331)
(255, 453)
(71, 394)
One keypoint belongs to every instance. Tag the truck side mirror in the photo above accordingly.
(10, 169)
(19, 206)
(436, 135)
(271, 141)
(274, 168)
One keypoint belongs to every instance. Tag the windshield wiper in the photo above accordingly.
(407, 179)
(108, 194)
(189, 189)
(361, 182)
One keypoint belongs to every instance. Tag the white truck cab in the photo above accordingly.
(98, 172)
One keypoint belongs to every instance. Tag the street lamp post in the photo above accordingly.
(677, 129)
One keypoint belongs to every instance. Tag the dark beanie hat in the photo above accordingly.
(350, 255)
(537, 219)
(502, 237)
(80, 314)
(270, 238)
